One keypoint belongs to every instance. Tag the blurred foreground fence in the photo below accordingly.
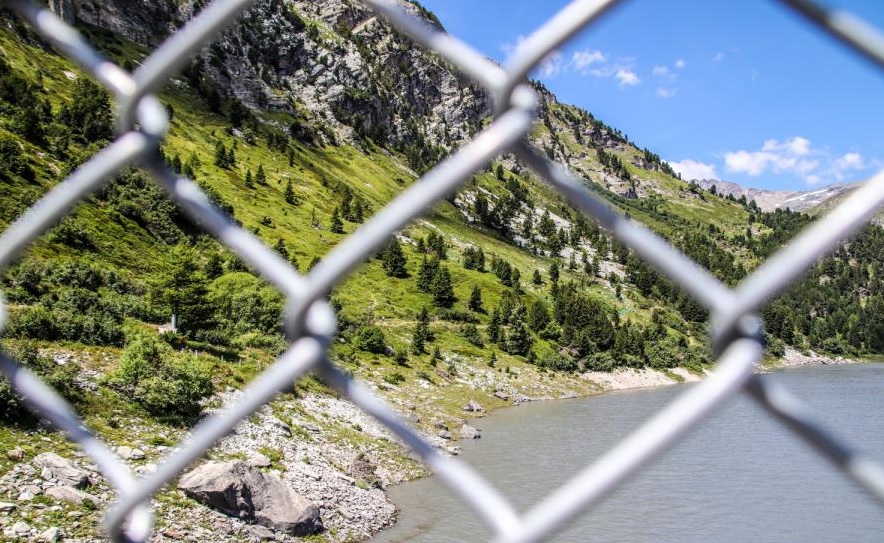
(310, 321)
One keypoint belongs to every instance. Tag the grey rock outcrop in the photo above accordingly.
(469, 432)
(240, 490)
(68, 494)
(65, 10)
(59, 469)
(473, 407)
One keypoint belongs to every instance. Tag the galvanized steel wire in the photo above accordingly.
(311, 322)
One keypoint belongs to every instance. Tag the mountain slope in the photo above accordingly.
(302, 121)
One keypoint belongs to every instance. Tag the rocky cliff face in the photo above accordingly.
(351, 78)
(143, 21)
(333, 63)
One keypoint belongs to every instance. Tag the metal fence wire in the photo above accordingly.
(311, 322)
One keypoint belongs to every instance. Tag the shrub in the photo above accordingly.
(69, 232)
(164, 382)
(456, 315)
(371, 338)
(59, 377)
(394, 378)
(602, 361)
(472, 334)
(559, 363)
(13, 160)
(34, 322)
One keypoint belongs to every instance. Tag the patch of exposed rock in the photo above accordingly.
(245, 492)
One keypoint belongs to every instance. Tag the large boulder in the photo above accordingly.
(62, 470)
(240, 490)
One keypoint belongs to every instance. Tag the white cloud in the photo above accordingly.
(775, 156)
(680, 64)
(796, 156)
(850, 161)
(627, 78)
(842, 168)
(603, 71)
(796, 146)
(719, 56)
(745, 162)
(692, 169)
(552, 65)
(660, 71)
(587, 57)
(663, 92)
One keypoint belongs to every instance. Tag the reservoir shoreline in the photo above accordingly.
(631, 409)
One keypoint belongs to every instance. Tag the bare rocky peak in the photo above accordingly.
(769, 200)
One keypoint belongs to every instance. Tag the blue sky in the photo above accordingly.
(740, 90)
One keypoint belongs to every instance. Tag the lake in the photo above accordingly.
(741, 476)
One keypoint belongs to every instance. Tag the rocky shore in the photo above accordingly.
(322, 450)
(794, 357)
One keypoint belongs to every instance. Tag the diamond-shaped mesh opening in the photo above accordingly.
(311, 322)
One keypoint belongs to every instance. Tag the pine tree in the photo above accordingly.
(248, 180)
(494, 327)
(181, 288)
(441, 289)
(475, 302)
(421, 334)
(546, 227)
(358, 211)
(536, 278)
(335, 225)
(436, 244)
(393, 260)
(427, 272)
(492, 362)
(289, 193)
(221, 156)
(231, 158)
(538, 316)
(260, 176)
(293, 260)
(519, 340)
(281, 249)
(346, 200)
(554, 272)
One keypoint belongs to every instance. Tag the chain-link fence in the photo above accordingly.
(310, 321)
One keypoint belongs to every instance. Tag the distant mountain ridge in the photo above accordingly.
(770, 200)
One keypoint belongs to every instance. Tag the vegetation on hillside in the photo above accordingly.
(504, 273)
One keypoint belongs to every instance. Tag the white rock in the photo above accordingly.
(50, 535)
(63, 469)
(25, 496)
(69, 494)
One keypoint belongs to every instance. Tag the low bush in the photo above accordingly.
(60, 377)
(167, 383)
(371, 338)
